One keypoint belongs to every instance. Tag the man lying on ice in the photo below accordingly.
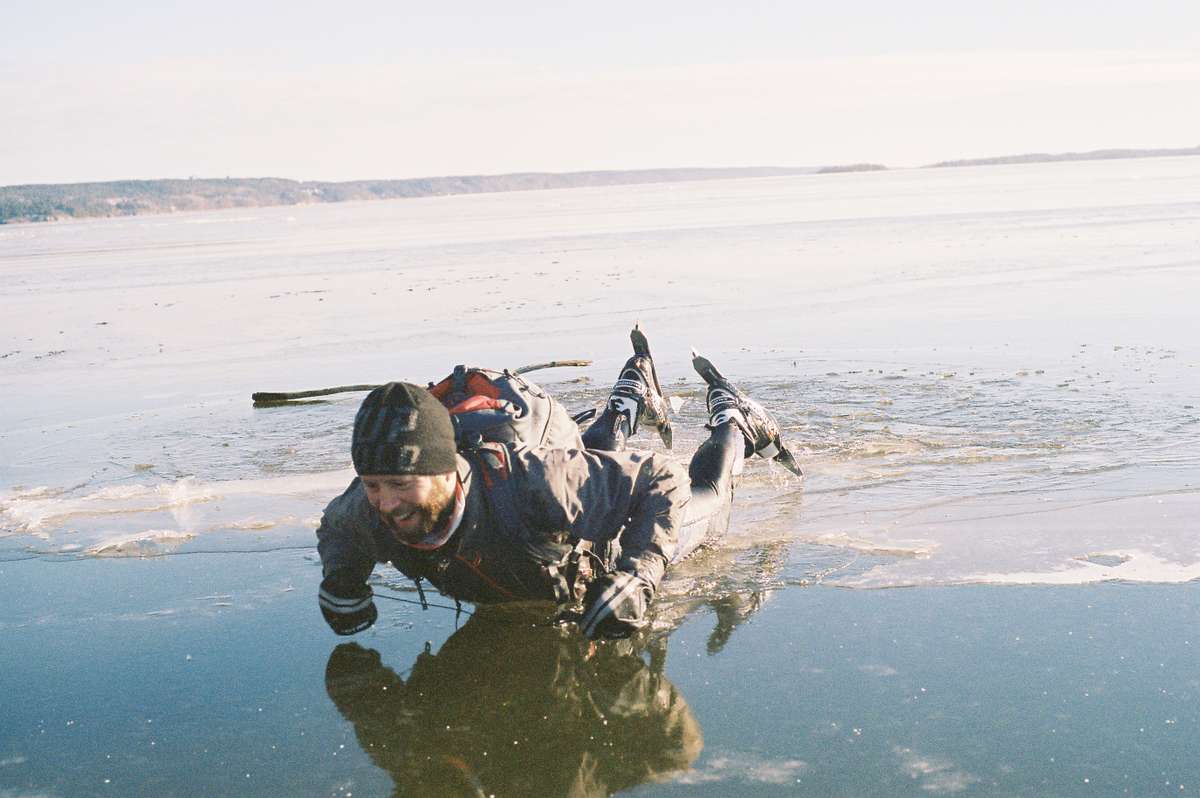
(542, 514)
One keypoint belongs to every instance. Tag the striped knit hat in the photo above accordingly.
(402, 429)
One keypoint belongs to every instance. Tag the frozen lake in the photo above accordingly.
(992, 372)
(991, 376)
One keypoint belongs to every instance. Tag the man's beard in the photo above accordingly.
(432, 514)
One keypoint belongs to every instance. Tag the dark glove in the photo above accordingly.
(349, 663)
(347, 604)
(615, 605)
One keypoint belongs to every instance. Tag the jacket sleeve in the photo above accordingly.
(347, 548)
(345, 538)
(636, 497)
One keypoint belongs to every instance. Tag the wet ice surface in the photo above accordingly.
(989, 375)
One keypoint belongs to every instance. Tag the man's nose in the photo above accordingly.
(389, 500)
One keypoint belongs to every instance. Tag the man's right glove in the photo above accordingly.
(347, 604)
(615, 605)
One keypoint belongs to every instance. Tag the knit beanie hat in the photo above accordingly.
(402, 429)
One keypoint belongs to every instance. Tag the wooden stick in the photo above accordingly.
(270, 396)
(553, 364)
(279, 397)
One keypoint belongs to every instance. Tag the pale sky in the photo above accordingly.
(339, 91)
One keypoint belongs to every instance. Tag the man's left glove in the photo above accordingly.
(615, 605)
(347, 604)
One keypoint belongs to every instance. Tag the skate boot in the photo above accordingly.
(636, 392)
(727, 403)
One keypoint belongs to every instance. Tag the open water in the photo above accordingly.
(990, 376)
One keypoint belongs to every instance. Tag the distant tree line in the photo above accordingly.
(1047, 157)
(37, 203)
(851, 167)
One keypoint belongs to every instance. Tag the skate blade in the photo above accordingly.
(786, 459)
(664, 432)
(707, 371)
(641, 346)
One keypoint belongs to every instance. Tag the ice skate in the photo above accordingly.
(727, 403)
(636, 392)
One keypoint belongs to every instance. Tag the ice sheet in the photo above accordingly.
(991, 374)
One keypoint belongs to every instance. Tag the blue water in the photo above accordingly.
(210, 677)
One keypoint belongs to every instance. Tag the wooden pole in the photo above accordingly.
(553, 364)
(280, 397)
(273, 397)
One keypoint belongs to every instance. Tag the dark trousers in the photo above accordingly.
(710, 471)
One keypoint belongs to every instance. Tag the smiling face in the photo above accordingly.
(412, 506)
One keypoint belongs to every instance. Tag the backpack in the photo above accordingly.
(492, 408)
(489, 406)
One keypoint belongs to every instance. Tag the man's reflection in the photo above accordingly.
(514, 705)
(508, 708)
(732, 584)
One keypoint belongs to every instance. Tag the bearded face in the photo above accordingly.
(412, 506)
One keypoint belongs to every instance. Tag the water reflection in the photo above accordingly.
(509, 708)
(722, 584)
(513, 704)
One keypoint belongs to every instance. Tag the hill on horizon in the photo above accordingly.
(1046, 157)
(50, 202)
(47, 202)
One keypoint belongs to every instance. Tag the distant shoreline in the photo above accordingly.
(1046, 157)
(40, 203)
(55, 202)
